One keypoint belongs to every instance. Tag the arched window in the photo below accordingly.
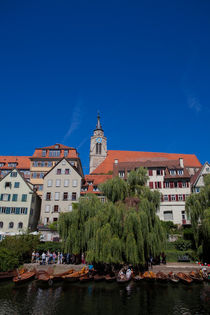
(11, 225)
(1, 225)
(20, 225)
(98, 148)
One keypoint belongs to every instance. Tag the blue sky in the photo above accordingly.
(145, 65)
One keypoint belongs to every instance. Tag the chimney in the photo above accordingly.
(181, 162)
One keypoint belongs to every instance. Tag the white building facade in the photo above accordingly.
(19, 205)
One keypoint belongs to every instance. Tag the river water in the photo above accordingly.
(105, 298)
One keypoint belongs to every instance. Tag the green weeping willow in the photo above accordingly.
(113, 232)
(198, 208)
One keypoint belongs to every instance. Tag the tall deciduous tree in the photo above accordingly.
(198, 208)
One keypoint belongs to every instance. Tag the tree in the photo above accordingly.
(198, 208)
(114, 233)
(137, 180)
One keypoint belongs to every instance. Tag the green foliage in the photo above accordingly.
(137, 180)
(115, 189)
(111, 232)
(51, 246)
(17, 249)
(169, 227)
(53, 226)
(182, 244)
(198, 208)
(7, 260)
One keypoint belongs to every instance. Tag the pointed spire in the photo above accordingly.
(98, 126)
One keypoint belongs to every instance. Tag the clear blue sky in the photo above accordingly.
(145, 65)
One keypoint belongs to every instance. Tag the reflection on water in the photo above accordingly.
(105, 298)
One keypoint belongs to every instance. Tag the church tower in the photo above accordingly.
(98, 146)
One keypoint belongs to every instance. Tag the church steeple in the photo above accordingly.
(98, 125)
(98, 146)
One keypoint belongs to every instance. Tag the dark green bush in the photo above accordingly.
(8, 261)
(51, 246)
(182, 244)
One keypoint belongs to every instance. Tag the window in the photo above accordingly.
(20, 225)
(207, 169)
(23, 210)
(5, 197)
(11, 225)
(58, 183)
(49, 183)
(11, 164)
(173, 198)
(44, 153)
(14, 197)
(98, 148)
(180, 197)
(74, 196)
(102, 200)
(67, 171)
(47, 208)
(48, 196)
(55, 219)
(49, 164)
(2, 164)
(165, 197)
(66, 183)
(184, 184)
(46, 220)
(57, 196)
(150, 172)
(70, 207)
(121, 173)
(175, 184)
(24, 197)
(180, 172)
(8, 184)
(54, 153)
(58, 171)
(74, 183)
(90, 182)
(183, 215)
(168, 215)
(13, 210)
(65, 196)
(1, 225)
(197, 189)
(151, 185)
(159, 172)
(56, 208)
(3, 210)
(95, 188)
(167, 185)
(72, 163)
(66, 153)
(172, 172)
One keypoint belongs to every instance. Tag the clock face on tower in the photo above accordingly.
(99, 140)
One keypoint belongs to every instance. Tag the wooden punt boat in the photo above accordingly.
(86, 278)
(7, 275)
(161, 277)
(75, 275)
(59, 276)
(149, 276)
(43, 279)
(26, 276)
(184, 278)
(173, 277)
(195, 276)
(123, 279)
(110, 278)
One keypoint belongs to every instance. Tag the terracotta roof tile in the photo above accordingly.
(71, 154)
(97, 180)
(23, 162)
(190, 160)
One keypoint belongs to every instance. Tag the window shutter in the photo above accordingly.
(156, 185)
(176, 197)
(183, 197)
(171, 185)
(1, 197)
(180, 184)
(9, 197)
(169, 197)
(160, 185)
(164, 185)
(151, 185)
(187, 184)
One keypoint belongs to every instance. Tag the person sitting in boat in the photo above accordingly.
(128, 273)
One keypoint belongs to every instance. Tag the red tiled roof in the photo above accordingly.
(97, 180)
(71, 154)
(23, 162)
(190, 160)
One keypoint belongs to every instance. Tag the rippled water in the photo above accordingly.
(104, 298)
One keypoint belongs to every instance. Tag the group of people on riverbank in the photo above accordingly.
(47, 258)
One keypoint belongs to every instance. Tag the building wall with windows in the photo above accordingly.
(198, 179)
(44, 159)
(61, 188)
(19, 204)
(22, 163)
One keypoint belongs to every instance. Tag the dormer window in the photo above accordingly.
(95, 188)
(56, 146)
(172, 172)
(12, 164)
(66, 152)
(121, 174)
(2, 164)
(44, 152)
(13, 174)
(180, 172)
(90, 182)
(54, 153)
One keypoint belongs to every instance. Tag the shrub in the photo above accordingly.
(182, 244)
(8, 261)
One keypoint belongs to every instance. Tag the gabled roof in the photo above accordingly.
(71, 154)
(72, 166)
(197, 175)
(190, 160)
(23, 162)
(27, 182)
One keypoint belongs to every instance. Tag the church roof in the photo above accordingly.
(190, 160)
